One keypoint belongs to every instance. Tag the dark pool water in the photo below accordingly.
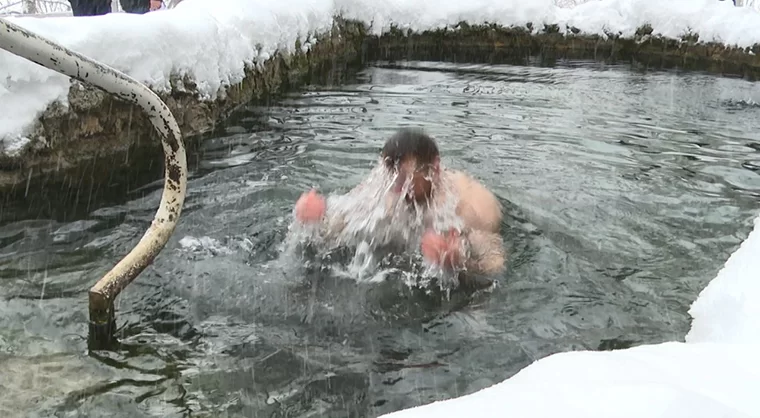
(624, 192)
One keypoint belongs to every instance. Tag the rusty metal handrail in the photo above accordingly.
(48, 54)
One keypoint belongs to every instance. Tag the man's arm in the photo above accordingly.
(332, 222)
(481, 212)
(332, 227)
(478, 207)
(486, 253)
(476, 255)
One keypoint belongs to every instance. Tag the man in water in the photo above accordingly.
(471, 245)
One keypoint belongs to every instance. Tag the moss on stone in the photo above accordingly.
(497, 45)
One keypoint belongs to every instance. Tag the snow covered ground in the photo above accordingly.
(670, 380)
(728, 309)
(212, 41)
(715, 373)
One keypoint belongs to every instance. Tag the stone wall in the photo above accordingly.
(498, 45)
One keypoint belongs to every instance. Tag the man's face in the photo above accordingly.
(420, 178)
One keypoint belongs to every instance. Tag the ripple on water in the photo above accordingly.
(621, 190)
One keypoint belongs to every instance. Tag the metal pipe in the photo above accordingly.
(48, 54)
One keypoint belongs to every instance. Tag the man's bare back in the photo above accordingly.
(412, 157)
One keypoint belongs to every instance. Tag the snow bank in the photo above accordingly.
(669, 380)
(728, 309)
(211, 41)
(713, 20)
(715, 373)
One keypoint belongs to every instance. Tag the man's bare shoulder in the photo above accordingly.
(461, 176)
(466, 184)
(478, 205)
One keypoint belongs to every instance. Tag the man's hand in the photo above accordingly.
(443, 249)
(310, 207)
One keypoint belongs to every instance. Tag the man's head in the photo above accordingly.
(411, 153)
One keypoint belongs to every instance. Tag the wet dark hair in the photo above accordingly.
(409, 142)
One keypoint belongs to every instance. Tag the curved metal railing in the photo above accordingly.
(48, 54)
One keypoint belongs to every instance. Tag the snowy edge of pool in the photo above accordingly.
(716, 372)
(212, 42)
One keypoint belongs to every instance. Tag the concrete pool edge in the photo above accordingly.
(103, 134)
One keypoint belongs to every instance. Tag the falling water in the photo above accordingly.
(381, 229)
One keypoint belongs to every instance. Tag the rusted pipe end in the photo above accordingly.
(102, 324)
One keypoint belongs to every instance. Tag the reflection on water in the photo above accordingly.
(624, 193)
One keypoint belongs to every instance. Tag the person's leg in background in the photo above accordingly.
(90, 7)
(135, 6)
(102, 7)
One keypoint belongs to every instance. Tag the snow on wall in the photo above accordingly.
(210, 43)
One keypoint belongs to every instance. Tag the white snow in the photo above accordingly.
(716, 372)
(728, 309)
(211, 41)
(670, 380)
(712, 19)
(41, 6)
(755, 4)
(199, 38)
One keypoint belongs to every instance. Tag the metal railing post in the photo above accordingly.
(48, 54)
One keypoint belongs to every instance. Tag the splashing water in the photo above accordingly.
(372, 233)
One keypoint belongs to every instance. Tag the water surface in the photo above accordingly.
(624, 193)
